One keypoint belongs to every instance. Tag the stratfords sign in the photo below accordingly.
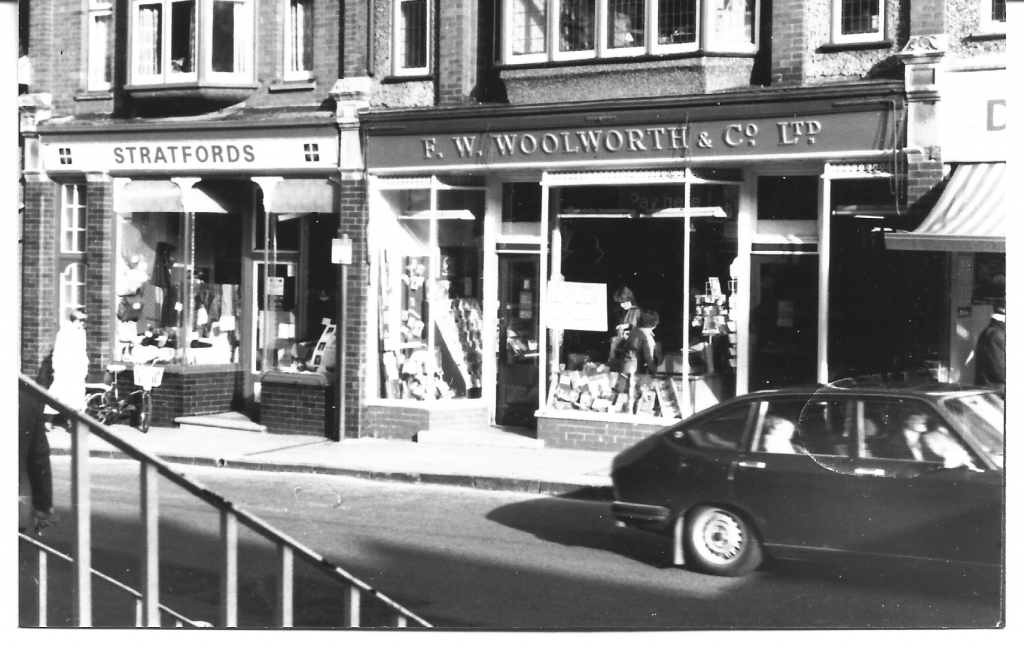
(802, 135)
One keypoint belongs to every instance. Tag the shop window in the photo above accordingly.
(657, 262)
(543, 30)
(177, 281)
(993, 16)
(858, 21)
(101, 45)
(298, 39)
(72, 222)
(411, 37)
(520, 209)
(167, 36)
(430, 293)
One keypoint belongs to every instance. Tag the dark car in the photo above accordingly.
(865, 469)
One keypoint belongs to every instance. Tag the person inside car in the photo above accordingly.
(942, 444)
(778, 436)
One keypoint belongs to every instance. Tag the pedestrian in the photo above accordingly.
(70, 363)
(35, 481)
(990, 352)
(625, 314)
(643, 355)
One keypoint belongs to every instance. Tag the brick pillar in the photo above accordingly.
(99, 273)
(456, 51)
(40, 44)
(354, 51)
(924, 174)
(928, 17)
(353, 222)
(39, 298)
(788, 41)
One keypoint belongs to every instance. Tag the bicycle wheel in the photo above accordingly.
(102, 407)
(145, 413)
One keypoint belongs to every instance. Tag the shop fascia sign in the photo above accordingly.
(184, 152)
(781, 136)
(974, 116)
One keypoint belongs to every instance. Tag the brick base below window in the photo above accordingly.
(591, 434)
(288, 407)
(404, 420)
(192, 391)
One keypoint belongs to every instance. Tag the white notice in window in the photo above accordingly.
(577, 306)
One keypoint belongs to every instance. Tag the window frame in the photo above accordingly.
(986, 24)
(73, 200)
(876, 36)
(297, 73)
(397, 68)
(203, 72)
(703, 36)
(73, 206)
(96, 71)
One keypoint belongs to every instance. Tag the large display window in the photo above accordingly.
(665, 256)
(430, 290)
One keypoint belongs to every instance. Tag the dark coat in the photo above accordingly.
(34, 452)
(990, 355)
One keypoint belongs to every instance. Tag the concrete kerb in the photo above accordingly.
(538, 487)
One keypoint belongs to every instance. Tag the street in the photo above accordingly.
(476, 559)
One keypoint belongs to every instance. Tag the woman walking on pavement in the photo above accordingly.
(70, 363)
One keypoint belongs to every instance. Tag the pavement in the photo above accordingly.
(490, 459)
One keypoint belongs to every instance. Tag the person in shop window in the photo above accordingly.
(70, 363)
(643, 354)
(625, 316)
(990, 352)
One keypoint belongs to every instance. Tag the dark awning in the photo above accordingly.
(970, 215)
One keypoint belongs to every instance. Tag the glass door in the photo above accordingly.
(783, 321)
(519, 340)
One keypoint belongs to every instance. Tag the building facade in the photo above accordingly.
(384, 217)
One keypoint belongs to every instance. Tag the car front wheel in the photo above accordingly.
(720, 542)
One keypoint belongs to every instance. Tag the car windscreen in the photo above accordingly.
(982, 415)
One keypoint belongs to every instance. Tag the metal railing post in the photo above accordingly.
(80, 506)
(150, 506)
(352, 599)
(284, 609)
(400, 621)
(43, 579)
(229, 569)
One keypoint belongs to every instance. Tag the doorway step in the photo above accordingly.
(497, 437)
(228, 420)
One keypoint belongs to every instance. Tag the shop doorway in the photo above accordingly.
(783, 321)
(519, 340)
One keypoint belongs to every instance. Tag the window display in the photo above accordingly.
(671, 344)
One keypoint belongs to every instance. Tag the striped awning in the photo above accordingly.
(970, 215)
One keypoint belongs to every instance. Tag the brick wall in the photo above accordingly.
(192, 391)
(924, 174)
(99, 243)
(68, 74)
(456, 51)
(296, 408)
(789, 41)
(353, 46)
(41, 34)
(39, 297)
(402, 420)
(591, 435)
(353, 223)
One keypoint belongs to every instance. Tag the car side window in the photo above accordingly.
(723, 431)
(776, 433)
(911, 431)
(826, 428)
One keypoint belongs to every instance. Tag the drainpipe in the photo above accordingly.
(370, 32)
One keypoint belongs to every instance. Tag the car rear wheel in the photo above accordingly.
(720, 542)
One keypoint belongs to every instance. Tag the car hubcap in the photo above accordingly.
(722, 536)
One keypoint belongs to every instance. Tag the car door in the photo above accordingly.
(915, 506)
(795, 497)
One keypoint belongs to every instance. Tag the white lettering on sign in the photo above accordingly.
(164, 154)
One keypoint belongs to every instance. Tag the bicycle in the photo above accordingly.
(107, 405)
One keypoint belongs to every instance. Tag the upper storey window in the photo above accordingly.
(181, 41)
(412, 37)
(101, 45)
(858, 21)
(553, 30)
(993, 16)
(298, 39)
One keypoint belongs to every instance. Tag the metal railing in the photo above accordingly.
(151, 468)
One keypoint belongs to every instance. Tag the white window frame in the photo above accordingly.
(72, 288)
(875, 36)
(601, 50)
(72, 217)
(985, 23)
(203, 65)
(99, 51)
(296, 72)
(398, 69)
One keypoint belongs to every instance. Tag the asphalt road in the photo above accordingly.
(476, 559)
